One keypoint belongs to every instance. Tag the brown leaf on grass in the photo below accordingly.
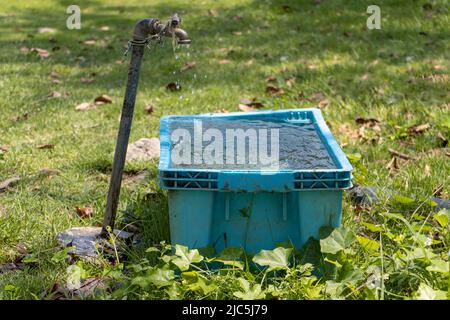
(318, 96)
(8, 183)
(87, 79)
(274, 90)
(238, 18)
(84, 212)
(188, 66)
(365, 77)
(224, 61)
(104, 28)
(443, 140)
(245, 108)
(324, 103)
(84, 106)
(90, 42)
(250, 62)
(56, 94)
(45, 146)
(46, 30)
(252, 103)
(370, 121)
(173, 86)
(4, 148)
(221, 110)
(103, 99)
(24, 50)
(437, 192)
(418, 129)
(149, 108)
(271, 79)
(427, 171)
(213, 13)
(290, 82)
(401, 155)
(49, 172)
(40, 52)
(9, 266)
(56, 81)
(393, 164)
(237, 33)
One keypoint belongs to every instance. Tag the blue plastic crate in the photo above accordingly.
(253, 208)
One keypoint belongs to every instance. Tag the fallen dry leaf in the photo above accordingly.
(250, 62)
(271, 79)
(238, 18)
(401, 155)
(224, 61)
(252, 103)
(4, 148)
(45, 146)
(84, 212)
(213, 13)
(273, 90)
(103, 99)
(440, 136)
(245, 108)
(173, 86)
(46, 30)
(149, 109)
(323, 103)
(56, 94)
(290, 82)
(24, 50)
(188, 66)
(49, 172)
(40, 52)
(104, 28)
(84, 106)
(418, 129)
(427, 171)
(237, 33)
(365, 77)
(87, 80)
(370, 121)
(318, 96)
(393, 164)
(8, 183)
(90, 42)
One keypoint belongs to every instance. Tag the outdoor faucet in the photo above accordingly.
(145, 31)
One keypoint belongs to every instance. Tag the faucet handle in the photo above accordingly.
(175, 20)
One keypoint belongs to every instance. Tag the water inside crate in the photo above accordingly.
(246, 145)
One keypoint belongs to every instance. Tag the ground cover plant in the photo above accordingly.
(384, 94)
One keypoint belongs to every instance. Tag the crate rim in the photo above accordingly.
(333, 148)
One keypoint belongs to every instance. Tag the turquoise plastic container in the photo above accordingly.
(253, 209)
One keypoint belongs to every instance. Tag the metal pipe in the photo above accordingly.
(142, 31)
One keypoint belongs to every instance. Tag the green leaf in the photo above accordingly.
(340, 239)
(442, 217)
(275, 259)
(402, 199)
(438, 266)
(372, 227)
(368, 244)
(159, 277)
(198, 283)
(231, 256)
(425, 292)
(249, 292)
(186, 257)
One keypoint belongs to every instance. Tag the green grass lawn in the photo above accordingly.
(320, 52)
